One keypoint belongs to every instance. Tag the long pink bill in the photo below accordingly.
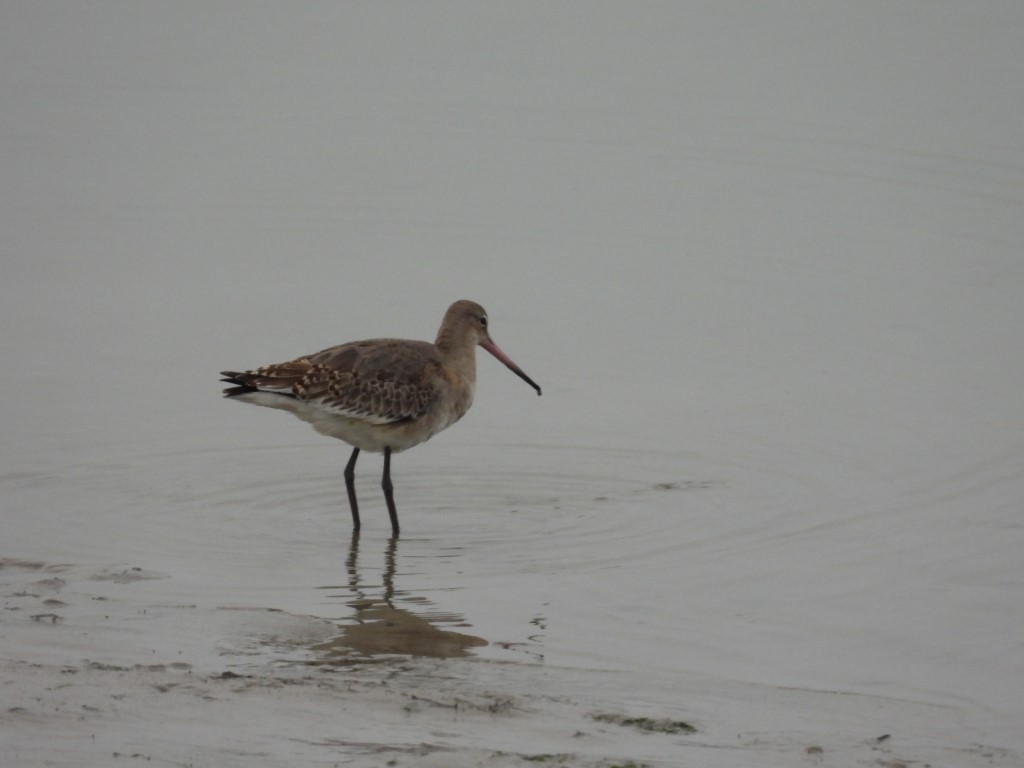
(495, 350)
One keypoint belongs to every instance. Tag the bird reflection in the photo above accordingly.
(379, 628)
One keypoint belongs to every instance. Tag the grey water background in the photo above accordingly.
(765, 259)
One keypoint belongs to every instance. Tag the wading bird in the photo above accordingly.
(380, 395)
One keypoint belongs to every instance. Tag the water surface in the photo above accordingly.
(764, 261)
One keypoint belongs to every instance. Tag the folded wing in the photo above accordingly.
(368, 381)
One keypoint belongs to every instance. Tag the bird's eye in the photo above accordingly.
(483, 321)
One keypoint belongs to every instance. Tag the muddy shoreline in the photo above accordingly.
(92, 672)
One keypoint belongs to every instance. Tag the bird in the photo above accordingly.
(380, 395)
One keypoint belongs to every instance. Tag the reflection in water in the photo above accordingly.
(380, 628)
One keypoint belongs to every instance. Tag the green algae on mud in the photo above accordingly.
(652, 725)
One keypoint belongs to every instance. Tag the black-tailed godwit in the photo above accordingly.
(380, 395)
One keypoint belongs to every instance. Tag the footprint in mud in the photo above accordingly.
(127, 575)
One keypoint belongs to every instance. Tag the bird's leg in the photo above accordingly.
(385, 483)
(350, 486)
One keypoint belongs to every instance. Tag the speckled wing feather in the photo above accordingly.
(380, 381)
(279, 378)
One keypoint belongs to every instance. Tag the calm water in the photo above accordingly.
(765, 263)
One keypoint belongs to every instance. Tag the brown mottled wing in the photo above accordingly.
(380, 381)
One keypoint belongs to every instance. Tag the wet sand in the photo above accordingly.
(104, 675)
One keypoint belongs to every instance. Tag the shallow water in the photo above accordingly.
(765, 264)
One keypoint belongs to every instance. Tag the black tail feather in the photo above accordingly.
(244, 384)
(233, 391)
(234, 377)
(240, 380)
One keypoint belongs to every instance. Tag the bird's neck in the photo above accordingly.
(451, 343)
(460, 357)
